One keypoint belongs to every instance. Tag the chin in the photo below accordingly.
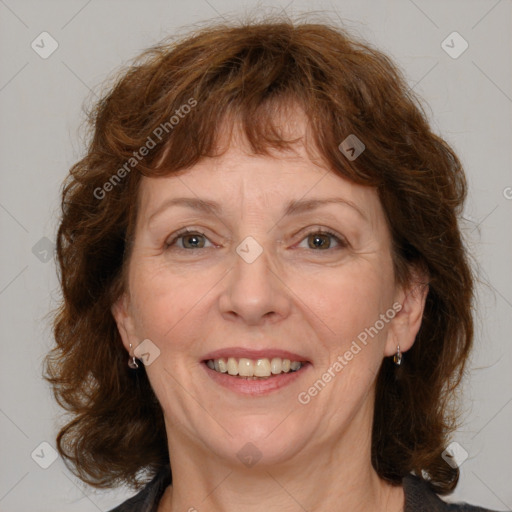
(265, 441)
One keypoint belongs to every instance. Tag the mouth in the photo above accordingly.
(254, 369)
(253, 373)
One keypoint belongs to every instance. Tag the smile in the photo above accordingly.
(263, 368)
(254, 385)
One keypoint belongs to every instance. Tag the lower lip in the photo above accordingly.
(257, 387)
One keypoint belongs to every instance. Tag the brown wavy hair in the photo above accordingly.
(243, 73)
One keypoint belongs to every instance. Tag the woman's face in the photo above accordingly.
(283, 260)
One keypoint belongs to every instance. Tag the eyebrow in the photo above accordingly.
(194, 203)
(293, 207)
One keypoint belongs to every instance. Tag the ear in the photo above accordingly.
(407, 322)
(125, 323)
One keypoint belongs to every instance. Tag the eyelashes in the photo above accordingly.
(318, 240)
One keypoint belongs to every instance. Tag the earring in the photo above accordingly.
(397, 358)
(132, 362)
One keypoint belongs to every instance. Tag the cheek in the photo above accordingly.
(351, 333)
(167, 306)
(347, 301)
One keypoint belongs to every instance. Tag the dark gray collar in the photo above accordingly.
(420, 498)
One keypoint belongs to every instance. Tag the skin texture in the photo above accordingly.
(295, 297)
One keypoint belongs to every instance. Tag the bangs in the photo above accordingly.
(275, 127)
(255, 90)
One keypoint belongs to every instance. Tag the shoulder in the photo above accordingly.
(420, 498)
(148, 498)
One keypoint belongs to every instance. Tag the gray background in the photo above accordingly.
(41, 105)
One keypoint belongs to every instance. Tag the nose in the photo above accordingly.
(255, 292)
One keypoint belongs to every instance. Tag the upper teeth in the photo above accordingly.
(253, 368)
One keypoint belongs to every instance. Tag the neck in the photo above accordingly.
(333, 474)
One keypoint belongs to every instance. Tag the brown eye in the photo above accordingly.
(319, 241)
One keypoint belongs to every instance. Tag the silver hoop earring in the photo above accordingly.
(397, 358)
(132, 361)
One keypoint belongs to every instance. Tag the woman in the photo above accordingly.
(265, 228)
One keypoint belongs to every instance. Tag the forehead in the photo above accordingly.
(238, 178)
(240, 186)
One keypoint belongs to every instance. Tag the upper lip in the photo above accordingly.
(269, 353)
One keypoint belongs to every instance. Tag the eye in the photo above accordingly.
(189, 240)
(321, 239)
